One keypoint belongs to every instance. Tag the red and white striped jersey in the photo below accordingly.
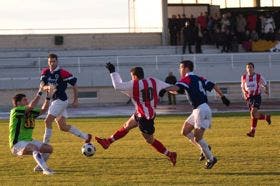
(143, 93)
(251, 85)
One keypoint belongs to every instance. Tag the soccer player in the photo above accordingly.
(22, 123)
(200, 119)
(144, 95)
(251, 84)
(57, 77)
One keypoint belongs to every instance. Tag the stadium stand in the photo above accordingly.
(22, 73)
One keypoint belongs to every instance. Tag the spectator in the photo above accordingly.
(202, 20)
(173, 26)
(226, 40)
(218, 38)
(188, 37)
(192, 20)
(209, 31)
(247, 42)
(269, 25)
(198, 38)
(276, 17)
(225, 23)
(254, 35)
(251, 22)
(240, 27)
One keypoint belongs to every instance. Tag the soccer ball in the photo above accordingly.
(88, 149)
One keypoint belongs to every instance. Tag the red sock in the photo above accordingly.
(118, 134)
(262, 117)
(254, 123)
(159, 147)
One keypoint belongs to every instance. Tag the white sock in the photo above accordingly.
(191, 139)
(47, 135)
(205, 149)
(46, 156)
(78, 133)
(39, 160)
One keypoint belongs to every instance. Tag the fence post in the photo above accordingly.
(79, 65)
(157, 62)
(269, 60)
(39, 64)
(118, 63)
(269, 89)
(232, 65)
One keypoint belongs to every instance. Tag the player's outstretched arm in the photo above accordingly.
(45, 105)
(172, 89)
(117, 82)
(223, 97)
(35, 100)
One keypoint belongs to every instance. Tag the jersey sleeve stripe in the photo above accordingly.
(136, 97)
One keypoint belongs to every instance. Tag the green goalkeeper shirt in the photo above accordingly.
(22, 124)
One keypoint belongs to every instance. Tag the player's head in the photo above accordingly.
(52, 61)
(185, 67)
(20, 100)
(137, 73)
(250, 67)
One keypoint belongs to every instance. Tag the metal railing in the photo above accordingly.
(25, 72)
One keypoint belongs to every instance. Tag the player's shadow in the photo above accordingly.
(249, 173)
(128, 158)
(67, 170)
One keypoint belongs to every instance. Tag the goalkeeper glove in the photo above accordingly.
(225, 100)
(162, 92)
(110, 67)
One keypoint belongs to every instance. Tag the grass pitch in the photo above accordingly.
(130, 161)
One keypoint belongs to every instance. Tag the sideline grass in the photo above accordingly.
(130, 161)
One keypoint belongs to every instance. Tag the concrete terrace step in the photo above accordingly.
(131, 51)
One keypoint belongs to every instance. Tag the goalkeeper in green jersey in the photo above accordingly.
(22, 123)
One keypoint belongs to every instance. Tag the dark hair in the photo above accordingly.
(138, 72)
(18, 98)
(251, 64)
(187, 64)
(51, 55)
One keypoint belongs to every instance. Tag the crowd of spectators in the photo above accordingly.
(225, 31)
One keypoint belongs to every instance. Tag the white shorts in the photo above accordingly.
(201, 117)
(58, 108)
(19, 147)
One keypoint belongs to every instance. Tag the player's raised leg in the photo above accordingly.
(63, 126)
(211, 160)
(120, 133)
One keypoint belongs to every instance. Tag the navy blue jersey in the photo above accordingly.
(59, 78)
(196, 88)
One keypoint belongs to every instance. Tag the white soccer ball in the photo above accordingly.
(88, 149)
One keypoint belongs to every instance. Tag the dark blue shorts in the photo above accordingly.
(145, 125)
(254, 101)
